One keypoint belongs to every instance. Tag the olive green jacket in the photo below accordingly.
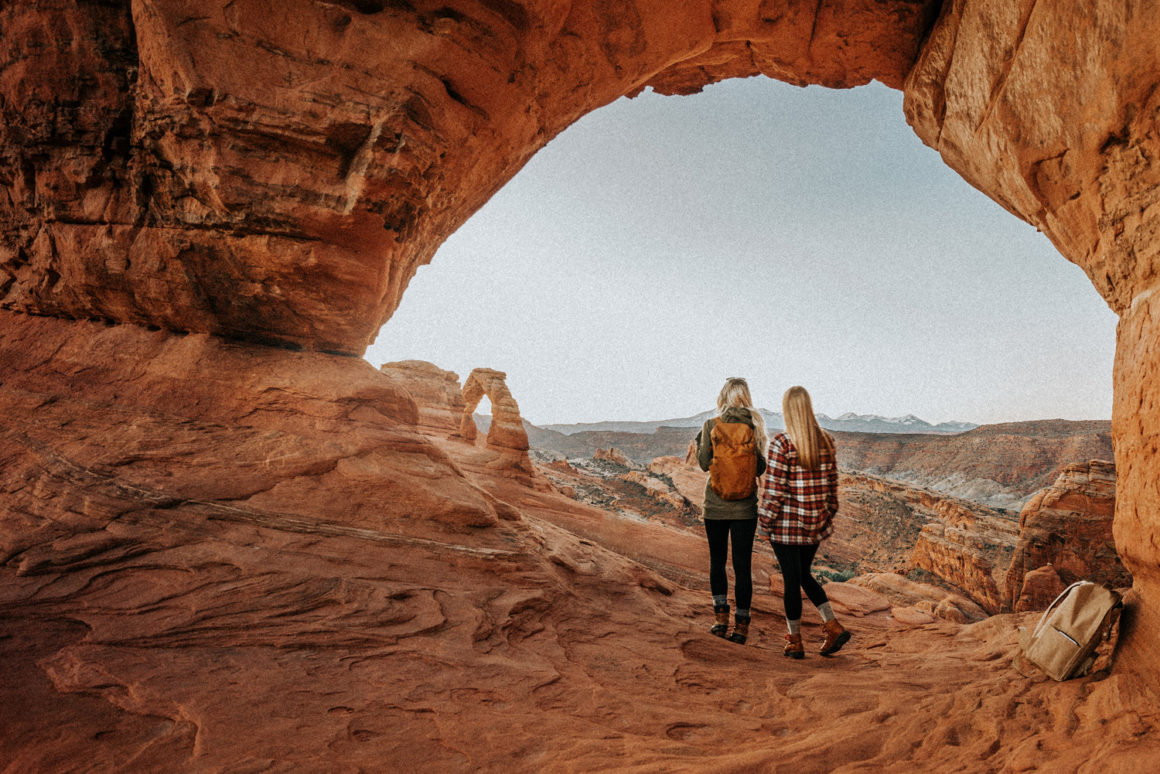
(715, 507)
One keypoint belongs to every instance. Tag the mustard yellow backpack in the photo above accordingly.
(733, 471)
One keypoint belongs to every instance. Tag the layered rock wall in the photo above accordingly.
(1069, 527)
(437, 394)
(1053, 111)
(970, 549)
(1000, 465)
(278, 171)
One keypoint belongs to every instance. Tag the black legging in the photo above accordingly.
(719, 532)
(795, 564)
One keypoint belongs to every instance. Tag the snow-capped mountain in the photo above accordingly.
(848, 422)
(873, 423)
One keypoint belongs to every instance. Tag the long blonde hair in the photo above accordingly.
(802, 428)
(735, 394)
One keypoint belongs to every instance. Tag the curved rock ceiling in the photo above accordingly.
(277, 171)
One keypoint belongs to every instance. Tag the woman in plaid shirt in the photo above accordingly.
(796, 505)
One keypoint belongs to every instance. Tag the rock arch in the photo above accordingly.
(207, 166)
(507, 426)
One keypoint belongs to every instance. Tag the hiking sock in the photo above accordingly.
(827, 612)
(742, 613)
(720, 600)
(795, 627)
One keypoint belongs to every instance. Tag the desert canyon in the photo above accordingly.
(228, 543)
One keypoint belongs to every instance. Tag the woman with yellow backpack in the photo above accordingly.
(731, 447)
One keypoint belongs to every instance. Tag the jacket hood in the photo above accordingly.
(735, 414)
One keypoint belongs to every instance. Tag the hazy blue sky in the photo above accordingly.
(791, 236)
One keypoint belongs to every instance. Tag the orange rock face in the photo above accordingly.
(1069, 526)
(613, 455)
(1039, 588)
(437, 394)
(883, 525)
(230, 557)
(970, 550)
(1000, 465)
(275, 523)
(278, 171)
(1075, 155)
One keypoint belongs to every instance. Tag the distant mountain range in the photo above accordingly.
(848, 423)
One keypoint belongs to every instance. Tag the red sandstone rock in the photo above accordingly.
(182, 590)
(279, 171)
(929, 600)
(885, 526)
(851, 599)
(623, 490)
(437, 394)
(688, 478)
(659, 489)
(1039, 589)
(614, 456)
(1073, 154)
(507, 426)
(999, 465)
(971, 549)
(445, 416)
(1069, 526)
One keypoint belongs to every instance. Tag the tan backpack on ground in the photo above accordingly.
(1080, 620)
(733, 470)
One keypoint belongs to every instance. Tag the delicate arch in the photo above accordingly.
(507, 426)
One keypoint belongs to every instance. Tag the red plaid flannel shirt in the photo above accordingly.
(796, 506)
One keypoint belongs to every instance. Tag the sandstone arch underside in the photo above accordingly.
(277, 171)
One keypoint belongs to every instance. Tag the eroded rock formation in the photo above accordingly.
(1039, 589)
(437, 394)
(1069, 527)
(507, 426)
(887, 526)
(970, 549)
(1074, 154)
(279, 171)
(912, 600)
(180, 505)
(613, 455)
(1000, 465)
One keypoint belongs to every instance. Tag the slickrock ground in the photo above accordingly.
(283, 606)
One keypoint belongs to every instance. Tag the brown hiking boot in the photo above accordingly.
(740, 630)
(721, 621)
(836, 637)
(793, 646)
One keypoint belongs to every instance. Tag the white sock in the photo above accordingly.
(795, 627)
(827, 613)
